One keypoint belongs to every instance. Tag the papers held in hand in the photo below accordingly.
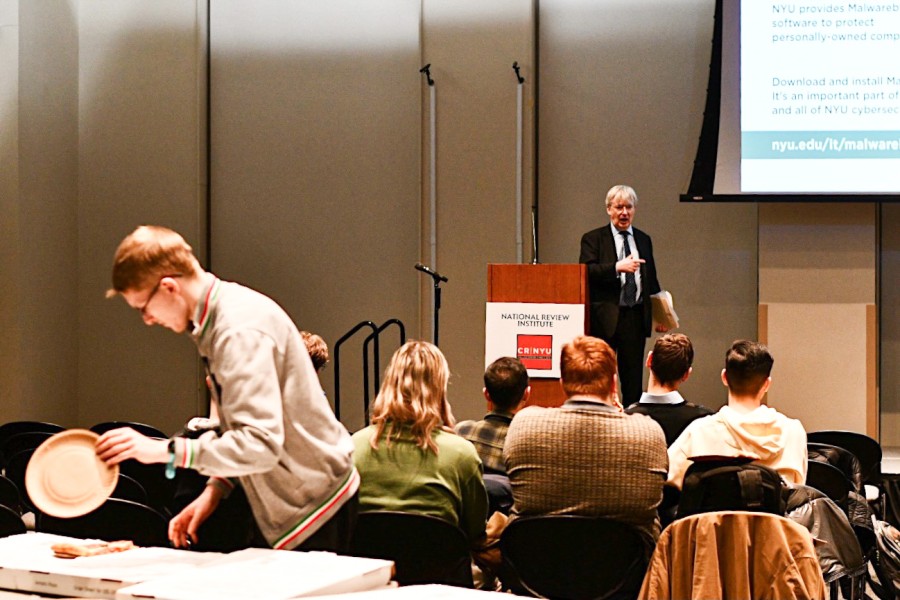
(664, 310)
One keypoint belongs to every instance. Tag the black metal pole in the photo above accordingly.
(438, 278)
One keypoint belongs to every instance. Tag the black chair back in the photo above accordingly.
(7, 430)
(838, 457)
(730, 484)
(424, 549)
(9, 495)
(574, 557)
(829, 480)
(866, 450)
(128, 488)
(160, 490)
(15, 472)
(116, 519)
(27, 440)
(10, 522)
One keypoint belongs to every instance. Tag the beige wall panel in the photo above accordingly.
(11, 401)
(815, 253)
(48, 150)
(622, 91)
(820, 367)
(140, 121)
(471, 46)
(315, 164)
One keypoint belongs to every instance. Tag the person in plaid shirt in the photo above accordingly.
(506, 389)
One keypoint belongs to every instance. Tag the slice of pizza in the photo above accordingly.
(72, 550)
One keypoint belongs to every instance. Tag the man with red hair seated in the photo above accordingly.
(587, 457)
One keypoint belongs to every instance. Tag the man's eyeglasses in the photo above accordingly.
(155, 289)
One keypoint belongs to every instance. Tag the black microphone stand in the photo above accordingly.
(438, 278)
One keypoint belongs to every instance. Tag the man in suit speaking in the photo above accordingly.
(621, 279)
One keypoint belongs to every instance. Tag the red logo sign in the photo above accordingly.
(535, 351)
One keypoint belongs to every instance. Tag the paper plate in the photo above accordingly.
(65, 478)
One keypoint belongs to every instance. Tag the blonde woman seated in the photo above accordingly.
(409, 459)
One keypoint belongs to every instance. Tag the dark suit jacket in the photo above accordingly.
(598, 252)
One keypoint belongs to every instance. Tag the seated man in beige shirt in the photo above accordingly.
(745, 426)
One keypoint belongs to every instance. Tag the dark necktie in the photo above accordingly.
(629, 290)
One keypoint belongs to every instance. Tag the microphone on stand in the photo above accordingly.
(424, 269)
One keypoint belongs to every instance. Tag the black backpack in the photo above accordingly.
(730, 485)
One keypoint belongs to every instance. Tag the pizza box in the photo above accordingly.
(262, 573)
(27, 564)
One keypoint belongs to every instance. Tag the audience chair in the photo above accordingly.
(866, 450)
(9, 495)
(841, 458)
(116, 519)
(730, 484)
(128, 488)
(425, 549)
(160, 490)
(10, 522)
(734, 554)
(829, 480)
(840, 555)
(27, 440)
(575, 557)
(15, 472)
(7, 430)
(148, 430)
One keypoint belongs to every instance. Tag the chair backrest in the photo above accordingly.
(575, 557)
(829, 480)
(12, 428)
(160, 490)
(838, 457)
(425, 549)
(148, 430)
(116, 519)
(10, 522)
(866, 450)
(27, 440)
(15, 472)
(721, 485)
(128, 488)
(9, 495)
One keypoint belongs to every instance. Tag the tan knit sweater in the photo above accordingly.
(587, 459)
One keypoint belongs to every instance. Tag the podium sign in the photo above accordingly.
(532, 332)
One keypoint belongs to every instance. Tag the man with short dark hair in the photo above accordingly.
(587, 457)
(505, 388)
(669, 364)
(745, 426)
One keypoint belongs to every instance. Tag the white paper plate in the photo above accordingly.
(65, 478)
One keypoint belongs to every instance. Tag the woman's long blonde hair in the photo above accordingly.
(414, 394)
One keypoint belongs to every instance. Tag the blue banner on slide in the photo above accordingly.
(820, 144)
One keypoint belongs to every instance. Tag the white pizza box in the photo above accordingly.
(27, 564)
(271, 574)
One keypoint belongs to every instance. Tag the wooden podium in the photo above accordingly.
(551, 284)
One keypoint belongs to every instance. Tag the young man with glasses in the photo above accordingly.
(279, 438)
